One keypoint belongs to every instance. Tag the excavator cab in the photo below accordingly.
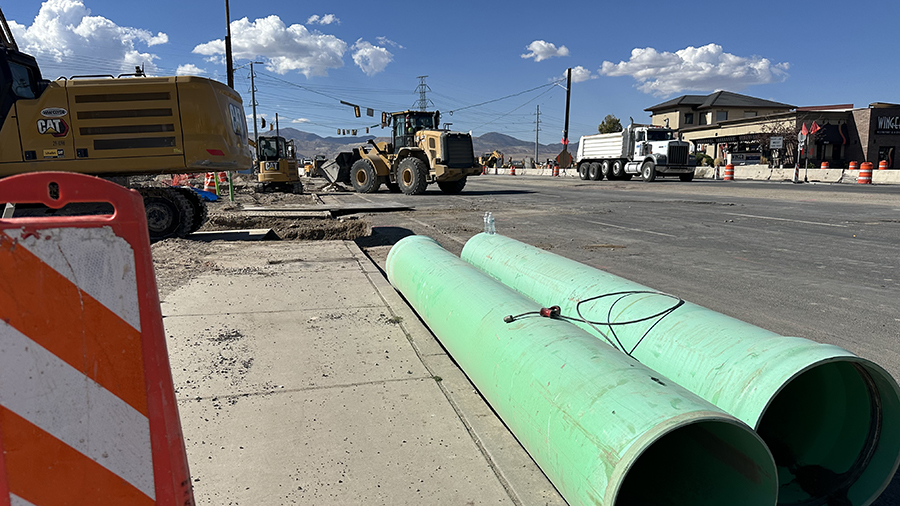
(20, 78)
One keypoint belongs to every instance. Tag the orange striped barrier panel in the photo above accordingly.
(87, 405)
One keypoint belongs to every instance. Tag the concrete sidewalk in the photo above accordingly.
(302, 377)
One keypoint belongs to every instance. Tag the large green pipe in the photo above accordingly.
(605, 429)
(831, 419)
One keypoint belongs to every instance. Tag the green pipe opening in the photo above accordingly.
(831, 419)
(605, 429)
(832, 432)
(701, 464)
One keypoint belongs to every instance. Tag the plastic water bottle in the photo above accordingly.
(489, 223)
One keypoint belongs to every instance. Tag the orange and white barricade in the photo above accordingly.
(87, 405)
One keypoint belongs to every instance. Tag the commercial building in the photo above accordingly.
(747, 130)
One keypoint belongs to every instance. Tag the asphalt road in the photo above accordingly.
(815, 261)
(811, 260)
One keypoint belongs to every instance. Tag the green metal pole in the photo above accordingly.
(831, 419)
(605, 429)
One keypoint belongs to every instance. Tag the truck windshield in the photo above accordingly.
(659, 135)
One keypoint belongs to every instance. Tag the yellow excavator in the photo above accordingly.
(279, 169)
(118, 127)
(491, 160)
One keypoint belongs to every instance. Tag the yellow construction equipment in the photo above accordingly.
(117, 127)
(279, 169)
(419, 153)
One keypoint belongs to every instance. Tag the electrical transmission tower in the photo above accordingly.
(422, 89)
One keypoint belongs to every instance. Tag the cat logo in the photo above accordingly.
(57, 127)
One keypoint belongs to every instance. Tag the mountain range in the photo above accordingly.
(308, 145)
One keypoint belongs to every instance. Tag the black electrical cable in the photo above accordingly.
(553, 312)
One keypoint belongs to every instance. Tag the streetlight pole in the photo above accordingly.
(228, 59)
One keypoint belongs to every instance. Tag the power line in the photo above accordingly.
(508, 96)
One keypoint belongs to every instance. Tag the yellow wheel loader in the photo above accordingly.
(419, 154)
(279, 169)
(117, 127)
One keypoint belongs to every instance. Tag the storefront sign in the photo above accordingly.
(776, 142)
(887, 125)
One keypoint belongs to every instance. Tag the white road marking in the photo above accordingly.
(632, 229)
(787, 219)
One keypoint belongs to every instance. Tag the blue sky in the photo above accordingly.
(628, 55)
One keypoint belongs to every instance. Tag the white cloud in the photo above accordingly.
(542, 50)
(189, 69)
(704, 68)
(384, 41)
(284, 48)
(65, 37)
(327, 19)
(300, 120)
(580, 74)
(371, 59)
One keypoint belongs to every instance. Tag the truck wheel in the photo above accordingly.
(594, 172)
(648, 171)
(686, 177)
(169, 213)
(363, 178)
(604, 169)
(583, 171)
(452, 186)
(198, 206)
(412, 176)
(618, 170)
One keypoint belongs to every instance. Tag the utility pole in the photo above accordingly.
(568, 99)
(253, 100)
(422, 89)
(228, 59)
(537, 130)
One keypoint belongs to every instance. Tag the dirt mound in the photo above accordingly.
(294, 229)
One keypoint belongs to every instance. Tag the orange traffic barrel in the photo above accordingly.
(853, 166)
(882, 165)
(865, 173)
(556, 171)
(825, 165)
(512, 170)
(209, 184)
(729, 172)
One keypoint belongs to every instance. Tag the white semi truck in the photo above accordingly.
(647, 150)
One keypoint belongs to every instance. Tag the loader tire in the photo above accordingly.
(169, 214)
(412, 176)
(452, 187)
(363, 177)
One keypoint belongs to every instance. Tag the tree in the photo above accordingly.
(610, 125)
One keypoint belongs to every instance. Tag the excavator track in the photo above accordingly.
(169, 213)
